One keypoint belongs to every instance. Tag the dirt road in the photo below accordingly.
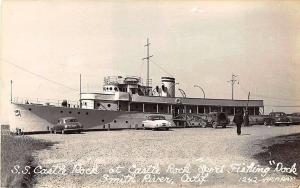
(191, 157)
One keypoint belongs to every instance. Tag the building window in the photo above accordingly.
(61, 111)
(108, 105)
(154, 107)
(161, 108)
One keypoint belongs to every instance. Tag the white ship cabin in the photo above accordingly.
(130, 94)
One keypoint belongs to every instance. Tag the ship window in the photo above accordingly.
(116, 88)
(108, 105)
(104, 88)
(29, 109)
(126, 121)
(85, 103)
(61, 111)
(98, 104)
(87, 113)
(110, 88)
(115, 121)
(70, 112)
(102, 120)
(78, 112)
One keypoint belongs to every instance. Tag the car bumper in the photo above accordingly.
(73, 130)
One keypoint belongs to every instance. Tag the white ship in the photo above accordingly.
(124, 103)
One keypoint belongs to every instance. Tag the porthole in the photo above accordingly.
(29, 109)
(78, 112)
(61, 111)
(126, 121)
(102, 120)
(104, 89)
(115, 121)
(87, 113)
(116, 88)
(110, 88)
(98, 104)
(70, 112)
(108, 105)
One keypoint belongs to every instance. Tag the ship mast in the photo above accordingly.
(148, 59)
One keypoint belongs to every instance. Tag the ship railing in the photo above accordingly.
(47, 102)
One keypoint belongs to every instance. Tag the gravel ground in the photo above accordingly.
(165, 153)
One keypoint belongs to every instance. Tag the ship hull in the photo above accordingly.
(38, 118)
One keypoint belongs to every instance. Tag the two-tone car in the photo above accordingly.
(67, 124)
(156, 122)
(276, 119)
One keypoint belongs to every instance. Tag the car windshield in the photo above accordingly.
(73, 120)
(157, 118)
(279, 114)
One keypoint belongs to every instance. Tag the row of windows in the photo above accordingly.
(110, 88)
(108, 105)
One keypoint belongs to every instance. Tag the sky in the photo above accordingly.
(46, 45)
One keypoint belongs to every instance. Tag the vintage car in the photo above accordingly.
(277, 118)
(295, 117)
(191, 120)
(67, 124)
(215, 119)
(156, 122)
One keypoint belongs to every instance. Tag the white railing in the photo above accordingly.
(46, 102)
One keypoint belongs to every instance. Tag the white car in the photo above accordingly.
(156, 122)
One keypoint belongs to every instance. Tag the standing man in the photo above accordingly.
(238, 120)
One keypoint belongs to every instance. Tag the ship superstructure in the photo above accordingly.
(125, 101)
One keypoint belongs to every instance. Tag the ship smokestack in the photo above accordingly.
(168, 86)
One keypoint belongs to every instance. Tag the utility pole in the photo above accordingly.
(233, 81)
(11, 85)
(80, 105)
(148, 59)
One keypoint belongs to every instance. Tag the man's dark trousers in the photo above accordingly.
(238, 128)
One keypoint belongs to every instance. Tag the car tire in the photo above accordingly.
(214, 125)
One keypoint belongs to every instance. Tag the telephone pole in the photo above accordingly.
(233, 81)
(80, 105)
(148, 59)
(11, 85)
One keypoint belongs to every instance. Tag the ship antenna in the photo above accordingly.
(148, 59)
